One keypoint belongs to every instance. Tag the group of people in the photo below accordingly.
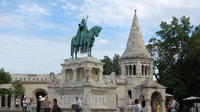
(26, 103)
(172, 105)
(47, 106)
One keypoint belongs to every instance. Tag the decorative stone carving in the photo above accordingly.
(53, 79)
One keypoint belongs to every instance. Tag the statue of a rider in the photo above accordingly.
(83, 41)
(82, 30)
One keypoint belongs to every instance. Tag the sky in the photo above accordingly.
(35, 35)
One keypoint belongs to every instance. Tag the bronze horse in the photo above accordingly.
(87, 42)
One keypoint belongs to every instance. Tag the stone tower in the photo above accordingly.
(136, 62)
(136, 68)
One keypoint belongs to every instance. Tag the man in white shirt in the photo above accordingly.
(78, 104)
(136, 107)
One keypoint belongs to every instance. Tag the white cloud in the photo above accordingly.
(120, 12)
(33, 9)
(102, 41)
(11, 21)
(68, 6)
(32, 55)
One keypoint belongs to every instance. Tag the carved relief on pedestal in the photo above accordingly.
(68, 75)
(99, 97)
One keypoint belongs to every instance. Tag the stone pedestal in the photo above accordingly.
(87, 84)
(85, 69)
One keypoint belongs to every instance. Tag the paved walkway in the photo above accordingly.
(10, 111)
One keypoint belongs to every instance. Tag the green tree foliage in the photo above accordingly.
(111, 65)
(107, 65)
(4, 77)
(18, 89)
(116, 64)
(176, 53)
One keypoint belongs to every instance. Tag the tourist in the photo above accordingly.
(38, 104)
(29, 107)
(78, 104)
(55, 108)
(46, 104)
(136, 107)
(158, 109)
(172, 105)
(24, 102)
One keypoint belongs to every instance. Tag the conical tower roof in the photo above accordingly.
(135, 47)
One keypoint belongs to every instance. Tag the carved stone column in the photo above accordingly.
(100, 75)
(128, 70)
(163, 108)
(148, 105)
(74, 74)
(6, 101)
(88, 74)
(138, 69)
(0, 100)
(123, 69)
(12, 102)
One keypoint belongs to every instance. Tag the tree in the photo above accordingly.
(116, 65)
(4, 77)
(18, 89)
(176, 53)
(107, 68)
(111, 65)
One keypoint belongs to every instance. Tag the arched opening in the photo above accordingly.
(3, 101)
(130, 70)
(130, 94)
(130, 97)
(38, 94)
(155, 99)
(9, 101)
(149, 70)
(134, 70)
(146, 70)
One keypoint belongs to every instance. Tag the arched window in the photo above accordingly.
(149, 70)
(146, 70)
(129, 94)
(134, 70)
(130, 70)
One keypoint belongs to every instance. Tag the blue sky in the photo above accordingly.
(35, 34)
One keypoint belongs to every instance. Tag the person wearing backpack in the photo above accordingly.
(55, 108)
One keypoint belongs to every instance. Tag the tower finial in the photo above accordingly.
(135, 11)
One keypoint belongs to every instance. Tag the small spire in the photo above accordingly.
(135, 45)
(135, 11)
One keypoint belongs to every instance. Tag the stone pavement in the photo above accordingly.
(10, 111)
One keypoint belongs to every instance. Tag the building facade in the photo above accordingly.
(83, 78)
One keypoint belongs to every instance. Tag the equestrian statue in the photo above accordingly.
(84, 39)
